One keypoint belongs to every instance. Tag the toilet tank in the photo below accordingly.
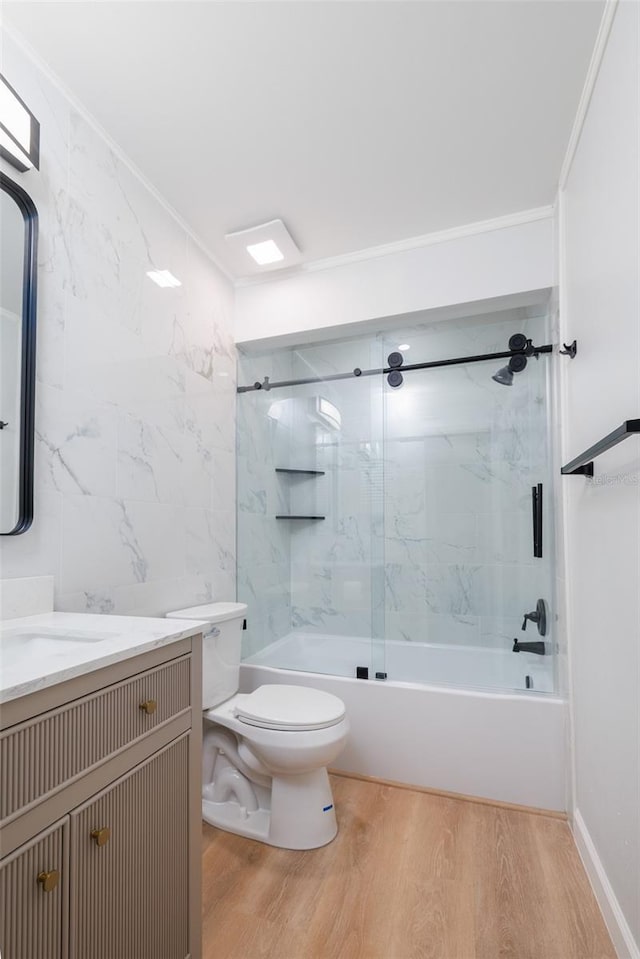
(221, 640)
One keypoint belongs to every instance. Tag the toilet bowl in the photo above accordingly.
(264, 753)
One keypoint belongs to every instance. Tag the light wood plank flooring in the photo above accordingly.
(409, 876)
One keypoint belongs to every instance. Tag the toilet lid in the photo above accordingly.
(290, 707)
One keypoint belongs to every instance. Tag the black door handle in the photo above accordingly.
(536, 509)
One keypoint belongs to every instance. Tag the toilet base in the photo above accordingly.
(232, 817)
(302, 814)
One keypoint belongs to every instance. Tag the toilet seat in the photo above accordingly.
(289, 708)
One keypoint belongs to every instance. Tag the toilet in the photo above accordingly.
(264, 754)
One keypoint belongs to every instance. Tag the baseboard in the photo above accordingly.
(625, 945)
(480, 800)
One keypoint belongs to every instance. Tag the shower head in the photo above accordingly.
(516, 364)
(504, 376)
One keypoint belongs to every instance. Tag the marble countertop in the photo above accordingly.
(40, 651)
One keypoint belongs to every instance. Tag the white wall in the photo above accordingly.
(600, 305)
(498, 262)
(135, 421)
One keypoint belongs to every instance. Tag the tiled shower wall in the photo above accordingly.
(264, 561)
(426, 491)
(135, 420)
(461, 456)
(337, 580)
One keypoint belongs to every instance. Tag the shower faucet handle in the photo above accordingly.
(537, 616)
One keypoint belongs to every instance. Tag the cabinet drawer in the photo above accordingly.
(42, 755)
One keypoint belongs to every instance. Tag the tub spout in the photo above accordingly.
(538, 648)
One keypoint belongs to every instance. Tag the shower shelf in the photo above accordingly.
(297, 472)
(282, 469)
(300, 517)
(583, 465)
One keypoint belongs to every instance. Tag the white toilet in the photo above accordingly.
(264, 754)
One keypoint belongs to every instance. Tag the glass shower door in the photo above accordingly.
(310, 517)
(389, 530)
(462, 454)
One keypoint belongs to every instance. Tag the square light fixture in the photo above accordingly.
(164, 278)
(19, 130)
(265, 252)
(262, 248)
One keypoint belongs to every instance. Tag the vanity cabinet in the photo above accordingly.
(100, 837)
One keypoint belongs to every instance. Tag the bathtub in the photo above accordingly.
(434, 663)
(446, 734)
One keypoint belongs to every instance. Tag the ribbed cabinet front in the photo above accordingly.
(33, 898)
(129, 888)
(39, 756)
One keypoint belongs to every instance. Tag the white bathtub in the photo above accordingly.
(433, 663)
(508, 746)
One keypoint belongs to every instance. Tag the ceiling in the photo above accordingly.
(357, 123)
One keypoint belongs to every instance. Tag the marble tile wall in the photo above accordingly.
(265, 427)
(337, 564)
(461, 456)
(426, 493)
(135, 420)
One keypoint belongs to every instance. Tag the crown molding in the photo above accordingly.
(403, 246)
(88, 117)
(595, 63)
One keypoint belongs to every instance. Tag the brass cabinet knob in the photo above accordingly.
(149, 706)
(49, 880)
(101, 836)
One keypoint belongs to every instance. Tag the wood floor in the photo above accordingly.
(409, 876)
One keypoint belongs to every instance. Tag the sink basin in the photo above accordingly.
(34, 640)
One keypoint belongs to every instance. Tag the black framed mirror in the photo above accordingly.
(18, 297)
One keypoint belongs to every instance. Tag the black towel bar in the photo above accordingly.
(583, 465)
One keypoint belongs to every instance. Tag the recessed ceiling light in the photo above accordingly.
(265, 252)
(259, 249)
(404, 347)
(163, 278)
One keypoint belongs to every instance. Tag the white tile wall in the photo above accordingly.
(264, 562)
(427, 490)
(135, 422)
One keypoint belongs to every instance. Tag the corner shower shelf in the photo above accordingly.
(583, 465)
(281, 469)
(299, 517)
